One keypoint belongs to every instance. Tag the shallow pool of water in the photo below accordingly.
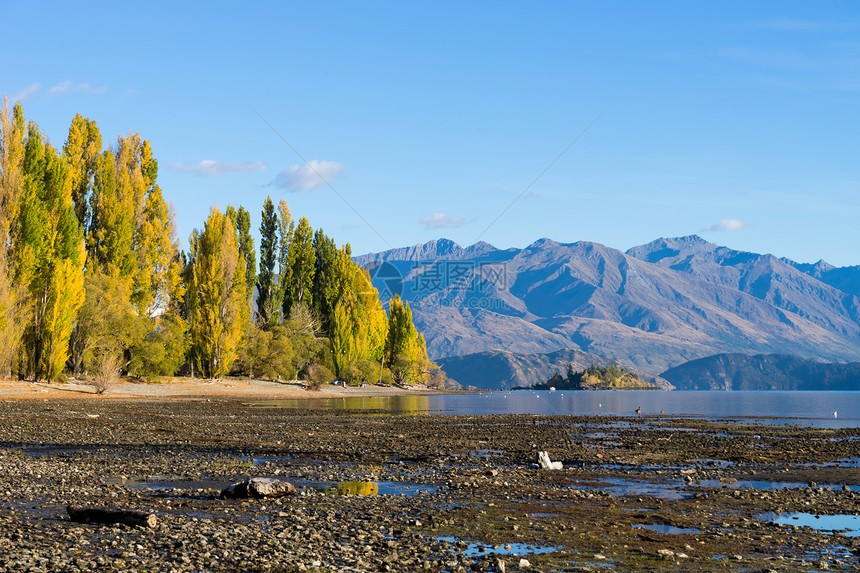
(768, 485)
(482, 549)
(669, 529)
(619, 487)
(845, 523)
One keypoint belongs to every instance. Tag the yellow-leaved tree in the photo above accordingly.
(11, 188)
(217, 283)
(48, 256)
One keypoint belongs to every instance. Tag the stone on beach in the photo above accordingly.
(258, 487)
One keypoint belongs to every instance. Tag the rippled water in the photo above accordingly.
(821, 409)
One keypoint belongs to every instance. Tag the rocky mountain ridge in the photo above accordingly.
(653, 307)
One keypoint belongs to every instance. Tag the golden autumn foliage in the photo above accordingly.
(92, 279)
(219, 312)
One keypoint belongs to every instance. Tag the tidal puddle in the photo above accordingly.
(482, 549)
(56, 449)
(668, 529)
(847, 524)
(619, 487)
(370, 488)
(219, 483)
(767, 485)
(712, 462)
(172, 482)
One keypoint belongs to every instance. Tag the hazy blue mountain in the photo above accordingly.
(846, 279)
(654, 307)
(763, 372)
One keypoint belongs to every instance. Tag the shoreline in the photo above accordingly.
(190, 389)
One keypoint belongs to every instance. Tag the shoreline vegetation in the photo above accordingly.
(93, 284)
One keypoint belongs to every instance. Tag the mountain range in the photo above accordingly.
(651, 308)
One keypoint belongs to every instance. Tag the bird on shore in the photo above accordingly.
(834, 413)
(639, 410)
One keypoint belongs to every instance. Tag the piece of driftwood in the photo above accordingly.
(258, 487)
(545, 463)
(111, 516)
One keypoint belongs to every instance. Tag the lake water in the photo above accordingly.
(821, 409)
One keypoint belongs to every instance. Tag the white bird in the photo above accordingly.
(834, 414)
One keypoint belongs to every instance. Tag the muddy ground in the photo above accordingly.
(421, 492)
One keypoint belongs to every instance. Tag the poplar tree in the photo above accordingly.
(82, 149)
(110, 241)
(402, 343)
(266, 280)
(300, 265)
(285, 234)
(220, 309)
(241, 220)
(49, 258)
(11, 188)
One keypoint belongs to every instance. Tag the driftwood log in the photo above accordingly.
(111, 516)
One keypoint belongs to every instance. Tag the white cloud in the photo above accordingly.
(26, 93)
(442, 221)
(312, 175)
(217, 168)
(727, 226)
(69, 87)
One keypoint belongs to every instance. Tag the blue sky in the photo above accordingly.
(733, 120)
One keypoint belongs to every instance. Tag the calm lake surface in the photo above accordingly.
(821, 409)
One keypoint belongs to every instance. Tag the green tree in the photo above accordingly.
(300, 267)
(220, 310)
(267, 305)
(242, 223)
(110, 240)
(48, 253)
(285, 234)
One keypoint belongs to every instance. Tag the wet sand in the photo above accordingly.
(417, 492)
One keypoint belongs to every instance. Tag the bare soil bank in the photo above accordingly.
(422, 492)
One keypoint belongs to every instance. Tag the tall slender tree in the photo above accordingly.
(82, 149)
(300, 269)
(12, 132)
(49, 257)
(267, 279)
(241, 220)
(220, 311)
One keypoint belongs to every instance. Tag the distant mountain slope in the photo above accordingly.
(656, 306)
(778, 282)
(763, 372)
(502, 370)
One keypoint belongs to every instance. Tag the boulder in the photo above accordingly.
(258, 487)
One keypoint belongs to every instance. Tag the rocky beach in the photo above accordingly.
(377, 491)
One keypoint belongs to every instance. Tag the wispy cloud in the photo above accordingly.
(312, 175)
(217, 168)
(727, 226)
(26, 93)
(70, 87)
(442, 221)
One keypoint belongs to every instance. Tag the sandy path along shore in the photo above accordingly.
(184, 388)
